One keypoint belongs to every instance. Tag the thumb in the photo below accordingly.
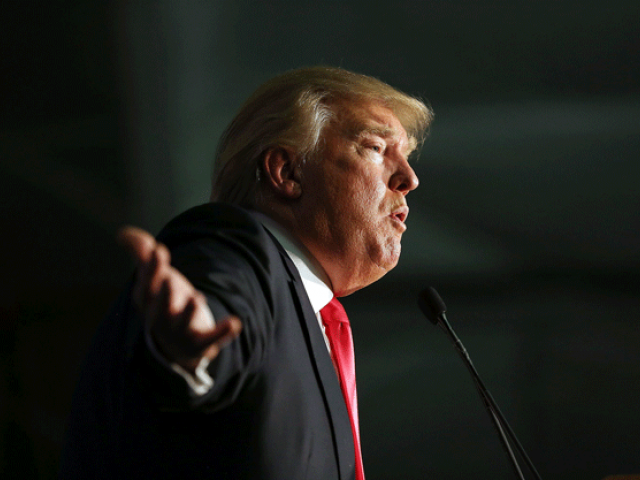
(224, 332)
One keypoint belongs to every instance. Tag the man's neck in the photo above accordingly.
(315, 280)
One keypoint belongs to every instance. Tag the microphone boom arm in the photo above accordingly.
(434, 309)
(492, 408)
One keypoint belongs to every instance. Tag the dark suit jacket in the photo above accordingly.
(275, 411)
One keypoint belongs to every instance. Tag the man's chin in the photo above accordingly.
(383, 267)
(392, 257)
(364, 280)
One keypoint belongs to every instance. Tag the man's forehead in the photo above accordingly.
(358, 118)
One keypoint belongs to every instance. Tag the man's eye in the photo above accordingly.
(376, 148)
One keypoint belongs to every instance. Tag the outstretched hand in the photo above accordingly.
(176, 313)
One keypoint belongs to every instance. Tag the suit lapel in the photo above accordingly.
(325, 373)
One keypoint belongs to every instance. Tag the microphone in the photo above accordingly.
(431, 305)
(434, 309)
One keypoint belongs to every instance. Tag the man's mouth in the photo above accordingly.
(400, 215)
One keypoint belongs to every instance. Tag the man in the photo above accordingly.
(218, 362)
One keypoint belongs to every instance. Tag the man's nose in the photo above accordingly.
(404, 179)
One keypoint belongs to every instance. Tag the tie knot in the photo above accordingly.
(334, 313)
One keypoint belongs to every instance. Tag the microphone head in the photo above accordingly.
(431, 305)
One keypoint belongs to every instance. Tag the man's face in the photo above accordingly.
(353, 206)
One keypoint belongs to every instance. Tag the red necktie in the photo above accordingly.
(338, 332)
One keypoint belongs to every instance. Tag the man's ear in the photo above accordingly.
(281, 167)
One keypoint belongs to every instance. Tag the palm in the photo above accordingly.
(175, 312)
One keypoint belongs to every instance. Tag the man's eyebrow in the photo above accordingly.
(384, 132)
(363, 130)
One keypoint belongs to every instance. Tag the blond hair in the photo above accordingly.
(291, 110)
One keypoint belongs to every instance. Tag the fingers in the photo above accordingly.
(153, 261)
(207, 336)
(201, 322)
(157, 272)
(186, 346)
(211, 343)
(223, 333)
(139, 243)
(218, 338)
(169, 296)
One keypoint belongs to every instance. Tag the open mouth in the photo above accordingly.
(400, 214)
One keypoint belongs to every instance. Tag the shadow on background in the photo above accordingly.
(527, 220)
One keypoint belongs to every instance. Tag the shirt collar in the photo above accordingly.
(314, 279)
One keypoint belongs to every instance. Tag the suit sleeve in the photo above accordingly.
(233, 266)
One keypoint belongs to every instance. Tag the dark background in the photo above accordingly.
(527, 219)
